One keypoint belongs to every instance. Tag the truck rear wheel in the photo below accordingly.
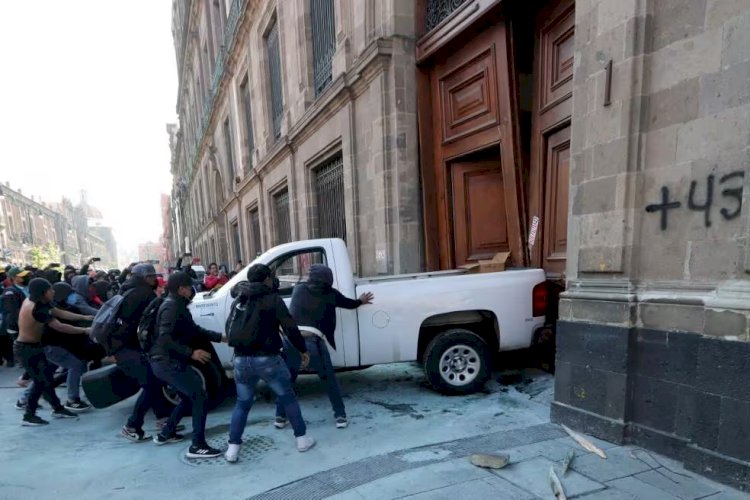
(457, 362)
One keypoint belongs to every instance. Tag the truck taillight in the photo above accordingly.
(539, 300)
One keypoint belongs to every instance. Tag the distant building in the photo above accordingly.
(152, 251)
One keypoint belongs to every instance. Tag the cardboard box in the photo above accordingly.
(493, 265)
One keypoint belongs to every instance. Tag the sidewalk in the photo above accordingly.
(443, 471)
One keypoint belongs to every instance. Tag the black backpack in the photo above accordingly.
(242, 323)
(147, 325)
(107, 320)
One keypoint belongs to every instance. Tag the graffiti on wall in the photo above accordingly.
(703, 199)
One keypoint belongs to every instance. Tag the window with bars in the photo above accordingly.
(236, 241)
(274, 72)
(328, 183)
(438, 10)
(229, 148)
(254, 223)
(282, 217)
(323, 23)
(248, 118)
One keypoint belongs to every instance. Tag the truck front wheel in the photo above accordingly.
(457, 362)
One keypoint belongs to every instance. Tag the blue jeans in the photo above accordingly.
(189, 385)
(76, 368)
(248, 370)
(320, 361)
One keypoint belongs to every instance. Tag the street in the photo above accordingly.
(403, 439)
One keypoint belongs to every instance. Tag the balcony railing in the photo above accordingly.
(209, 104)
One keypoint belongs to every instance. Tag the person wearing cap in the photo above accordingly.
(10, 302)
(176, 334)
(257, 356)
(138, 292)
(37, 315)
(313, 307)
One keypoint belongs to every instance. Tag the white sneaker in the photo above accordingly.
(304, 443)
(233, 453)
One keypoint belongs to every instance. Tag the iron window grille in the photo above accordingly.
(438, 10)
(274, 71)
(323, 42)
(255, 244)
(328, 184)
(248, 115)
(282, 217)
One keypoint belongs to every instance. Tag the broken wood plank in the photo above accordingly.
(585, 443)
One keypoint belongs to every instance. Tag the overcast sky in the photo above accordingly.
(87, 88)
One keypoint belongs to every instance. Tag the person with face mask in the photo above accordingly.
(138, 292)
(170, 357)
(10, 303)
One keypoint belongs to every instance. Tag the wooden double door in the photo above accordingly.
(487, 186)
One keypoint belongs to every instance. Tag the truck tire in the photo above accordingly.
(457, 362)
(212, 379)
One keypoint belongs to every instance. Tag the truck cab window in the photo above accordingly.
(292, 269)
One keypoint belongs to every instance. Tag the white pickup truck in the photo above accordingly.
(450, 321)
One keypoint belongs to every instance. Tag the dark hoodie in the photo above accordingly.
(79, 297)
(137, 296)
(272, 314)
(314, 303)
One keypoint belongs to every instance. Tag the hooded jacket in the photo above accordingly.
(176, 331)
(272, 315)
(137, 296)
(79, 297)
(314, 303)
(10, 303)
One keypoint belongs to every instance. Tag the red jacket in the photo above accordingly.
(211, 281)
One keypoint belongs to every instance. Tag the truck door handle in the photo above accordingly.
(206, 315)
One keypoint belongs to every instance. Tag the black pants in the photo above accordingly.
(189, 385)
(42, 373)
(6, 349)
(135, 366)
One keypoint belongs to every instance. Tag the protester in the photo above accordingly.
(138, 292)
(170, 356)
(214, 278)
(10, 303)
(313, 307)
(38, 313)
(80, 297)
(256, 347)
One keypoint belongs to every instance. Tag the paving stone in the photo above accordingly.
(618, 464)
(682, 486)
(533, 475)
(476, 490)
(729, 495)
(554, 449)
(490, 461)
(413, 481)
(609, 494)
(639, 489)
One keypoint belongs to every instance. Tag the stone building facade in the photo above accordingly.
(26, 223)
(297, 120)
(653, 342)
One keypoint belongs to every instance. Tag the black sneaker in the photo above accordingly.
(135, 435)
(174, 438)
(77, 406)
(202, 451)
(21, 405)
(33, 421)
(63, 413)
(341, 423)
(161, 423)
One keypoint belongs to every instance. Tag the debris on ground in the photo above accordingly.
(585, 443)
(490, 461)
(556, 485)
(566, 463)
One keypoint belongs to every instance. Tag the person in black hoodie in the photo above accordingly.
(313, 307)
(257, 356)
(170, 359)
(138, 292)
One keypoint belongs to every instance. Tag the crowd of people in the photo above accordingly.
(46, 319)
